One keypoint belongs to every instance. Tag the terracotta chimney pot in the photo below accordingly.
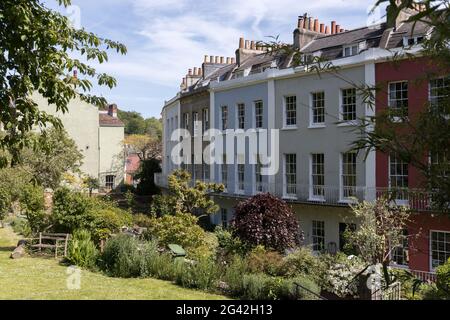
(322, 28)
(333, 27)
(316, 25)
(241, 43)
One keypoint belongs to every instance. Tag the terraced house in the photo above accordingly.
(316, 117)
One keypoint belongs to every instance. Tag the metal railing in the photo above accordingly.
(415, 199)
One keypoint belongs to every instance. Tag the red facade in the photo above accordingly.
(415, 72)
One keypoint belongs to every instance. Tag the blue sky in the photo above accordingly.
(167, 37)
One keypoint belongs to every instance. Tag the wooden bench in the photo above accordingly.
(59, 241)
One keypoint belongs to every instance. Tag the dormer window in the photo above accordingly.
(239, 74)
(351, 50)
(411, 41)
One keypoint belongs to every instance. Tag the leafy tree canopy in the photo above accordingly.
(37, 46)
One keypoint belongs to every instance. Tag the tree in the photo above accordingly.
(380, 232)
(37, 46)
(134, 122)
(154, 127)
(146, 147)
(53, 154)
(91, 184)
(146, 177)
(266, 220)
(186, 199)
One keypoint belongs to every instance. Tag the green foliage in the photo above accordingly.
(260, 260)
(295, 289)
(146, 176)
(304, 262)
(72, 211)
(122, 257)
(186, 199)
(21, 226)
(233, 276)
(156, 264)
(136, 124)
(52, 155)
(32, 204)
(443, 280)
(202, 274)
(81, 250)
(163, 205)
(12, 181)
(40, 45)
(5, 203)
(230, 244)
(181, 229)
(91, 184)
(142, 220)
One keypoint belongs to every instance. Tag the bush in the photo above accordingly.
(443, 279)
(73, 211)
(340, 275)
(261, 261)
(266, 220)
(142, 220)
(233, 276)
(304, 262)
(181, 229)
(81, 250)
(33, 206)
(201, 275)
(21, 226)
(155, 264)
(228, 243)
(122, 257)
(5, 203)
(294, 289)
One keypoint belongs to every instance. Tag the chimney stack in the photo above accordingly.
(228, 60)
(112, 110)
(206, 60)
(241, 43)
(310, 24)
(195, 71)
(190, 72)
(233, 60)
(338, 27)
(316, 25)
(322, 28)
(300, 22)
(333, 27)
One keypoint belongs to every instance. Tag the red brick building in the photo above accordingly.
(406, 83)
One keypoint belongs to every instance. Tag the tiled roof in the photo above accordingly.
(106, 120)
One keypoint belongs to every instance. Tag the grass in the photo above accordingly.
(45, 279)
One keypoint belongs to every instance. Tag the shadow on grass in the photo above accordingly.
(7, 249)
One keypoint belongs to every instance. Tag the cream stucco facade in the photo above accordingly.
(99, 136)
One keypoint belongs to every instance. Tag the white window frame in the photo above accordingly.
(259, 185)
(224, 169)
(343, 197)
(224, 124)
(317, 225)
(390, 100)
(312, 196)
(258, 117)
(415, 40)
(285, 112)
(432, 268)
(352, 48)
(314, 124)
(186, 121)
(112, 184)
(205, 116)
(432, 97)
(240, 116)
(286, 186)
(348, 105)
(195, 124)
(240, 184)
(400, 201)
(224, 214)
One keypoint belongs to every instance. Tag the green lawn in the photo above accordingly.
(45, 279)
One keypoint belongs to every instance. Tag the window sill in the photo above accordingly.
(290, 197)
(348, 124)
(317, 126)
(347, 201)
(290, 128)
(317, 199)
